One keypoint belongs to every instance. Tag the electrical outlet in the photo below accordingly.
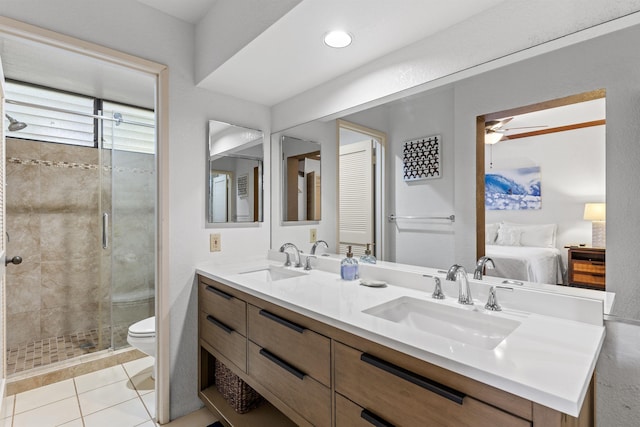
(313, 235)
(214, 243)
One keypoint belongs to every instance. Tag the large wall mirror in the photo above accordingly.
(301, 180)
(560, 142)
(234, 174)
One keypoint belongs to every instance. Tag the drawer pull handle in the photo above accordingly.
(219, 292)
(419, 380)
(374, 419)
(219, 324)
(284, 365)
(284, 322)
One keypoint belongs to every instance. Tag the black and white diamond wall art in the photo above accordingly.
(422, 158)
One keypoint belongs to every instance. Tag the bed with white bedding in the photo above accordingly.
(524, 252)
(532, 264)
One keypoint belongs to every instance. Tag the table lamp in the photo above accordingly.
(596, 213)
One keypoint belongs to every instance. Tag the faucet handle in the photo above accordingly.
(437, 291)
(307, 265)
(492, 302)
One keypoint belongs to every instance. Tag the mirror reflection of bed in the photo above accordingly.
(542, 165)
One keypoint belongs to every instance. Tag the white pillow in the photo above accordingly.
(508, 236)
(537, 235)
(491, 233)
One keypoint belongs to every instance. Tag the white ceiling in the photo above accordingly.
(289, 57)
(188, 10)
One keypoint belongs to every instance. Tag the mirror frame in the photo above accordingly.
(260, 192)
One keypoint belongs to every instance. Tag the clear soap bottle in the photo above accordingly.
(349, 266)
(367, 258)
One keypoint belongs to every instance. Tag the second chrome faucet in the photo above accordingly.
(458, 274)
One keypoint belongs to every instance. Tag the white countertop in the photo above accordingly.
(546, 359)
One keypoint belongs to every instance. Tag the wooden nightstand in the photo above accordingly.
(587, 267)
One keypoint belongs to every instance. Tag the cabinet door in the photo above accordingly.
(383, 388)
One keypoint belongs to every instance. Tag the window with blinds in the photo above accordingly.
(132, 130)
(48, 125)
(40, 108)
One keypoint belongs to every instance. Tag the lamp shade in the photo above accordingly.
(595, 211)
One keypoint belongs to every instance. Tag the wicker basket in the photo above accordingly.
(238, 394)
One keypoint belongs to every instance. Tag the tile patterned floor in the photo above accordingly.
(121, 396)
(44, 352)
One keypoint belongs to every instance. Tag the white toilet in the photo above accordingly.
(142, 335)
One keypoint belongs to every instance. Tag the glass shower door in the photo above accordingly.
(128, 198)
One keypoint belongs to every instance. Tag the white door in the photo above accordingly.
(356, 226)
(3, 244)
(219, 197)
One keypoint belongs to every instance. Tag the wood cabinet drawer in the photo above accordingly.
(224, 307)
(307, 350)
(590, 267)
(297, 390)
(224, 339)
(588, 279)
(404, 398)
(348, 414)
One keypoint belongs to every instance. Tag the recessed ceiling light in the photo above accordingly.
(337, 39)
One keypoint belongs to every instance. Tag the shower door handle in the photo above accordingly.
(105, 230)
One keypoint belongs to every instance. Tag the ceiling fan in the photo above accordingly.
(494, 130)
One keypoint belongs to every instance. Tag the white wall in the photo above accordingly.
(423, 242)
(572, 170)
(131, 27)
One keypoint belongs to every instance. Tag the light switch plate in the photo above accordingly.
(214, 242)
(313, 235)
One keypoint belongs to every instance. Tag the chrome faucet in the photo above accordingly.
(458, 274)
(284, 248)
(316, 244)
(483, 262)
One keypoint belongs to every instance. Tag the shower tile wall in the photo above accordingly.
(53, 223)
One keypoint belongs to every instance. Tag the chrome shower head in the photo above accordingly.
(15, 125)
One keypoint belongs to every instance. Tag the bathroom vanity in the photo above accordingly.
(327, 352)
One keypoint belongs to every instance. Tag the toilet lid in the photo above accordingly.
(143, 328)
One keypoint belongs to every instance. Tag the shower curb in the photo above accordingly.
(70, 368)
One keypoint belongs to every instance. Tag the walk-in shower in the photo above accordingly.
(76, 161)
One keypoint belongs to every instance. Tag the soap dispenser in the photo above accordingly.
(367, 258)
(349, 266)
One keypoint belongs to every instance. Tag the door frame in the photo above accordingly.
(18, 30)
(381, 199)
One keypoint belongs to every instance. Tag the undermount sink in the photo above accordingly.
(272, 273)
(469, 326)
